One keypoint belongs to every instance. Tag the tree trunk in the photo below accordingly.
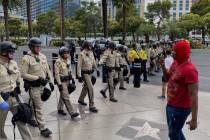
(104, 9)
(124, 23)
(62, 19)
(146, 38)
(203, 34)
(158, 31)
(134, 39)
(30, 28)
(6, 16)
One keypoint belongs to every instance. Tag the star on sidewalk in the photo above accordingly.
(146, 130)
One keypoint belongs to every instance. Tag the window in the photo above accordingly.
(180, 14)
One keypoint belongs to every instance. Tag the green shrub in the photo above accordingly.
(56, 43)
(196, 44)
(19, 42)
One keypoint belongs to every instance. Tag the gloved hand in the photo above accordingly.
(4, 106)
(80, 79)
(60, 87)
(73, 81)
(42, 81)
(51, 86)
(98, 73)
(17, 90)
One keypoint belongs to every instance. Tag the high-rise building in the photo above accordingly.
(13, 14)
(42, 6)
(179, 8)
(111, 8)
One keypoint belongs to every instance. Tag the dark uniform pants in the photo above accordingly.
(144, 69)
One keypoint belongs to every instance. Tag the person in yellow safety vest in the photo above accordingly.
(132, 54)
(143, 57)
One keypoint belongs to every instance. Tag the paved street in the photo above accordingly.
(138, 115)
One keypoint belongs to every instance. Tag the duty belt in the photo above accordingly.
(65, 78)
(6, 95)
(110, 69)
(87, 71)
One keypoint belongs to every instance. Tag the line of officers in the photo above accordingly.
(36, 74)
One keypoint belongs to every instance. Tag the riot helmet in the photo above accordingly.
(7, 49)
(34, 45)
(62, 51)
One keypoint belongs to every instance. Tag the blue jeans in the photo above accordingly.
(176, 118)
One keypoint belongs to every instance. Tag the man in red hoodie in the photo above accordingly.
(182, 97)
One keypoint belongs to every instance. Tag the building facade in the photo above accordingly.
(179, 8)
(42, 6)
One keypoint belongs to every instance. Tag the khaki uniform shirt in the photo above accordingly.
(86, 61)
(118, 60)
(9, 75)
(152, 53)
(34, 66)
(108, 58)
(62, 68)
(123, 59)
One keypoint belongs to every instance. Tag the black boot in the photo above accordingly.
(61, 112)
(46, 133)
(74, 115)
(93, 109)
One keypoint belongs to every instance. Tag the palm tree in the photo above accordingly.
(125, 5)
(62, 19)
(30, 29)
(104, 9)
(8, 5)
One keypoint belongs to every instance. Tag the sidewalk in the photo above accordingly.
(138, 115)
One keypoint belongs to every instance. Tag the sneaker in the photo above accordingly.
(103, 94)
(33, 123)
(113, 100)
(74, 115)
(122, 88)
(61, 112)
(93, 109)
(161, 97)
(46, 133)
(82, 103)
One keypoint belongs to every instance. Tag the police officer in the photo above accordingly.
(85, 68)
(152, 53)
(35, 70)
(132, 55)
(10, 88)
(63, 76)
(120, 56)
(143, 57)
(109, 60)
